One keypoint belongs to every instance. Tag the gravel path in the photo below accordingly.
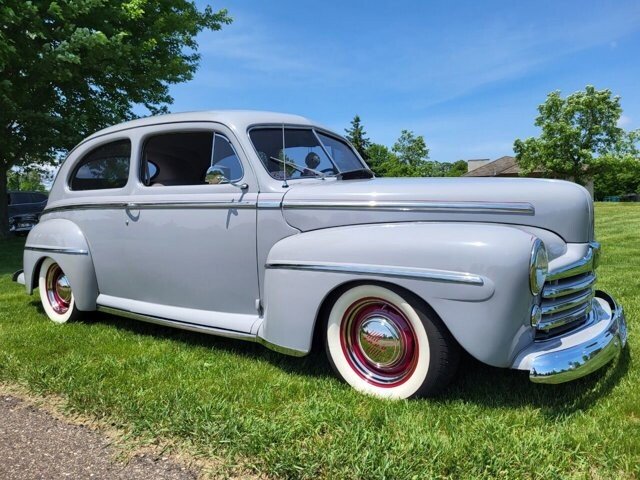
(35, 445)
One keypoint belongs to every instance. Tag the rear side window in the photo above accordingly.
(106, 166)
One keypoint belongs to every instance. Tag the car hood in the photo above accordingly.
(564, 208)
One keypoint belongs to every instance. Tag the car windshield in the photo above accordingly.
(302, 153)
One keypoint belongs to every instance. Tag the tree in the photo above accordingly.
(70, 67)
(411, 149)
(379, 156)
(408, 158)
(357, 136)
(456, 169)
(575, 131)
(27, 179)
(616, 176)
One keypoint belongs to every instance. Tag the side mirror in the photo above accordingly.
(215, 176)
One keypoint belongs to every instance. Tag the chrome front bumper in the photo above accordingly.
(580, 352)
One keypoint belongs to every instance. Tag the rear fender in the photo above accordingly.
(63, 241)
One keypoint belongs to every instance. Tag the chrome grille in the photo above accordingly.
(567, 296)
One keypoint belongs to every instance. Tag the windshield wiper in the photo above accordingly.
(300, 169)
(355, 174)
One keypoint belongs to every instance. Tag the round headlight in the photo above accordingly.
(539, 266)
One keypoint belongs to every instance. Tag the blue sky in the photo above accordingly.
(467, 75)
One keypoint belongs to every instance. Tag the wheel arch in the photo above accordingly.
(62, 241)
(329, 299)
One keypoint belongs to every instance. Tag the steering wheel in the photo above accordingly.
(328, 170)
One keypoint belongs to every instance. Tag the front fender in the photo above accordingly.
(475, 277)
(63, 241)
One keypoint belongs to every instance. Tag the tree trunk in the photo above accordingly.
(4, 203)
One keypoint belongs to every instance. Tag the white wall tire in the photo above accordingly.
(383, 342)
(55, 292)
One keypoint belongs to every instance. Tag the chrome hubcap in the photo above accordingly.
(63, 289)
(58, 289)
(379, 342)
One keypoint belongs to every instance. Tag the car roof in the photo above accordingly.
(239, 120)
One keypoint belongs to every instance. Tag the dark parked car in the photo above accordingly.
(25, 209)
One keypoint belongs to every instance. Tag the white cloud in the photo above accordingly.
(624, 121)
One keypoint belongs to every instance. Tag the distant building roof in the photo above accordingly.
(503, 166)
(474, 163)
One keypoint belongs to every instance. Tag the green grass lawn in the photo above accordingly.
(290, 417)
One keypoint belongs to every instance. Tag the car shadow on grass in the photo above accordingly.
(505, 388)
(475, 382)
(314, 364)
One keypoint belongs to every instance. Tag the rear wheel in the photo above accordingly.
(384, 342)
(55, 292)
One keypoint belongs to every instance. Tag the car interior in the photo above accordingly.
(185, 158)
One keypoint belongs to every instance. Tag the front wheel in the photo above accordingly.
(55, 292)
(384, 342)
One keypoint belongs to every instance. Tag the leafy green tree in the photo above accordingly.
(411, 149)
(27, 179)
(378, 157)
(616, 176)
(575, 131)
(408, 158)
(456, 169)
(70, 67)
(358, 137)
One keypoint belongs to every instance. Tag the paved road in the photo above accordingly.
(35, 445)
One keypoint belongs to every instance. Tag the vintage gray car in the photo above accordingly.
(267, 227)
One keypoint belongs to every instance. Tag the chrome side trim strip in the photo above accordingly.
(67, 251)
(85, 206)
(280, 349)
(514, 208)
(269, 204)
(444, 276)
(150, 206)
(388, 206)
(194, 327)
(172, 205)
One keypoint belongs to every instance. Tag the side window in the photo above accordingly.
(303, 153)
(189, 158)
(104, 167)
(225, 161)
(341, 153)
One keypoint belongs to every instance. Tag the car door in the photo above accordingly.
(189, 228)
(98, 179)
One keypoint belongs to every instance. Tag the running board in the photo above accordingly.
(193, 327)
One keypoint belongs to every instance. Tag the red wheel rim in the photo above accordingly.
(58, 289)
(379, 342)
